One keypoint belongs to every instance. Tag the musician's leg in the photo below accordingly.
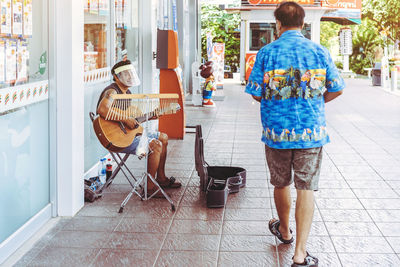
(163, 158)
(162, 179)
(153, 161)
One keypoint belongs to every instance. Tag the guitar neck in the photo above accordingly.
(145, 117)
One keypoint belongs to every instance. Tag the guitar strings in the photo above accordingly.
(122, 109)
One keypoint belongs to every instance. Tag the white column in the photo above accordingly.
(146, 42)
(393, 85)
(385, 69)
(66, 78)
(194, 36)
(184, 38)
(243, 40)
(346, 65)
(316, 30)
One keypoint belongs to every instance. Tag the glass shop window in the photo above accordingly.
(262, 34)
(96, 30)
(127, 31)
(23, 50)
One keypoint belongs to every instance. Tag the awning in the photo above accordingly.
(344, 12)
(342, 21)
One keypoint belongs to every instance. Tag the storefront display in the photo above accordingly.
(6, 17)
(94, 7)
(2, 60)
(16, 24)
(11, 61)
(86, 4)
(17, 18)
(97, 19)
(103, 7)
(22, 61)
(27, 18)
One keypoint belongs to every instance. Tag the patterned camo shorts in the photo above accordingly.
(299, 165)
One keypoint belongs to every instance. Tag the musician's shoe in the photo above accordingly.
(169, 183)
(209, 104)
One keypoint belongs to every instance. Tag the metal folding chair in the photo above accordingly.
(136, 183)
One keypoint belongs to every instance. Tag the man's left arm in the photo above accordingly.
(255, 83)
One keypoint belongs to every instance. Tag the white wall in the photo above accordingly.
(66, 78)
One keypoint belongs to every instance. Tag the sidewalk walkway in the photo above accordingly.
(357, 217)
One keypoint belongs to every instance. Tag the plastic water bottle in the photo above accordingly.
(102, 170)
(108, 169)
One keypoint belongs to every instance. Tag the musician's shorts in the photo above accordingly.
(132, 148)
(299, 165)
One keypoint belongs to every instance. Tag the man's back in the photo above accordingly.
(293, 49)
(291, 75)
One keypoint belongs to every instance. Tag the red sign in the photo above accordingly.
(274, 2)
(351, 4)
(250, 59)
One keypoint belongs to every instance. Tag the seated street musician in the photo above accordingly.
(124, 76)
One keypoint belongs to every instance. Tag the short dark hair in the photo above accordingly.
(290, 14)
(119, 64)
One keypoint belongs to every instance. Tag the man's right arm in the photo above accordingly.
(257, 98)
(105, 109)
(329, 96)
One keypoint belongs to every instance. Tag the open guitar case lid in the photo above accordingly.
(216, 181)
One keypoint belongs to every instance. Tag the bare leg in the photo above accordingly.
(153, 161)
(163, 158)
(304, 217)
(283, 203)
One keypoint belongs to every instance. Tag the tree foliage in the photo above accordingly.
(385, 16)
(329, 32)
(365, 40)
(224, 29)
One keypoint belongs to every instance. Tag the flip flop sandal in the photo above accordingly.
(309, 261)
(171, 183)
(274, 228)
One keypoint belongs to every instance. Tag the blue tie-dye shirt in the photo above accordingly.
(291, 75)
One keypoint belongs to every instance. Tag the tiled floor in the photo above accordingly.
(357, 217)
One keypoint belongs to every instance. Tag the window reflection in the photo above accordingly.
(96, 29)
(262, 34)
(126, 30)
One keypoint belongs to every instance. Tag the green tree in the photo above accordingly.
(329, 31)
(365, 40)
(224, 29)
(385, 16)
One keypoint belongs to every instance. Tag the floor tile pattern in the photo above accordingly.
(357, 216)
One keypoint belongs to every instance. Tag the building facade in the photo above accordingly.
(57, 56)
(258, 23)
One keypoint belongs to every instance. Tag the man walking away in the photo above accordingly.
(293, 78)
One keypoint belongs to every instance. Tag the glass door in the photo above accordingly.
(24, 113)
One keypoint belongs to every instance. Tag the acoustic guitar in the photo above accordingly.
(115, 136)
